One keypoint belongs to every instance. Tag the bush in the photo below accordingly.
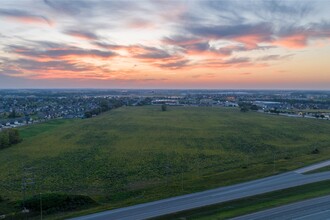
(164, 107)
(315, 151)
(54, 202)
(9, 137)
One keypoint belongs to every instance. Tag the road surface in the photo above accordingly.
(210, 197)
(312, 209)
(313, 167)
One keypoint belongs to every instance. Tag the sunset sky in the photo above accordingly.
(165, 44)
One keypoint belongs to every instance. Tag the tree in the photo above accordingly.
(254, 107)
(164, 107)
(9, 137)
(104, 105)
(12, 114)
(244, 108)
(4, 140)
(13, 136)
(88, 114)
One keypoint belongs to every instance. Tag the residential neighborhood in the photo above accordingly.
(24, 107)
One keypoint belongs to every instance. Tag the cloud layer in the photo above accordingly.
(140, 40)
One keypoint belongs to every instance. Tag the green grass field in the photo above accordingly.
(137, 154)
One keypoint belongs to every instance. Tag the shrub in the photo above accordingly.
(53, 202)
(315, 151)
(164, 107)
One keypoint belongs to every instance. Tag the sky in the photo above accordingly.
(159, 44)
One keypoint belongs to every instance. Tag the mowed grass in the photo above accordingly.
(137, 154)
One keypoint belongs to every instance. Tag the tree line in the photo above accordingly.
(9, 137)
(245, 106)
(104, 106)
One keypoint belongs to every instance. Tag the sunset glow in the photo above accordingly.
(165, 44)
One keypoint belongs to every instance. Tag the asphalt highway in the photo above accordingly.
(312, 209)
(210, 197)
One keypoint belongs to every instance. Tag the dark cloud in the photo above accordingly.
(292, 12)
(33, 65)
(109, 46)
(300, 36)
(313, 30)
(202, 46)
(236, 60)
(144, 52)
(82, 34)
(83, 8)
(275, 11)
(252, 23)
(41, 45)
(174, 65)
(69, 7)
(220, 63)
(8, 71)
(180, 40)
(228, 50)
(54, 53)
(274, 57)
(24, 16)
(198, 45)
(138, 51)
(226, 11)
(264, 30)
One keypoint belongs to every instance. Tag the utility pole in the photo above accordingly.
(273, 161)
(182, 179)
(28, 184)
(167, 173)
(167, 168)
(40, 206)
(198, 171)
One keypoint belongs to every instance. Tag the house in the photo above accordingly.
(231, 104)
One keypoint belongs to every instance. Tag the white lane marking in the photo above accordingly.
(314, 214)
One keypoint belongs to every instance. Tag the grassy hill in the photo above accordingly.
(138, 154)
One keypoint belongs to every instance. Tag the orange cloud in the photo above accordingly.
(250, 41)
(140, 24)
(31, 20)
(296, 41)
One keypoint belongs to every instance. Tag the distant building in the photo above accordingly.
(230, 104)
(268, 105)
(165, 101)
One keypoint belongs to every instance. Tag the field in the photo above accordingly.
(138, 154)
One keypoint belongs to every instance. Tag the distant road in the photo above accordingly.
(210, 197)
(312, 209)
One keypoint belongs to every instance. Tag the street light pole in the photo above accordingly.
(273, 161)
(40, 206)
